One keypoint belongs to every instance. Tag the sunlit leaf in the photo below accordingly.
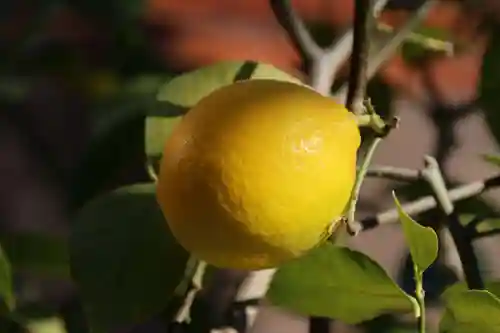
(183, 92)
(338, 283)
(46, 325)
(422, 241)
(188, 89)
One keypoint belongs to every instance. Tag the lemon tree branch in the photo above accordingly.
(393, 173)
(297, 31)
(463, 243)
(425, 203)
(323, 64)
(384, 44)
(359, 57)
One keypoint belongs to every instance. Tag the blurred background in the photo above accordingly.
(66, 62)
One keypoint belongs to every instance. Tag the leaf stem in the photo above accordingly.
(420, 296)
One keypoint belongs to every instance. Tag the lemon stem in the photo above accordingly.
(352, 226)
(381, 128)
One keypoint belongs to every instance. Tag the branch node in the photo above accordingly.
(433, 176)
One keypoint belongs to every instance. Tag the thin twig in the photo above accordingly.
(383, 45)
(432, 174)
(183, 315)
(427, 203)
(383, 49)
(393, 173)
(254, 287)
(324, 72)
(297, 31)
(359, 57)
(428, 43)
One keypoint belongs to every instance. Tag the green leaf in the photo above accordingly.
(338, 283)
(459, 287)
(185, 91)
(485, 224)
(37, 253)
(417, 49)
(188, 89)
(7, 297)
(117, 137)
(471, 311)
(135, 97)
(422, 241)
(489, 86)
(46, 325)
(158, 130)
(124, 260)
(493, 159)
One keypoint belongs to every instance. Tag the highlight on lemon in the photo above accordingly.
(257, 173)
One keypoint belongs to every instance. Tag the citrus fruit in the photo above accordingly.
(257, 173)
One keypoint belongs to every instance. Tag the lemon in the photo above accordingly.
(257, 173)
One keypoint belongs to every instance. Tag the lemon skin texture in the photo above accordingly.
(256, 173)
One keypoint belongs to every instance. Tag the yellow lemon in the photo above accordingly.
(256, 173)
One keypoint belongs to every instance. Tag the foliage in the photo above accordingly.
(183, 92)
(7, 297)
(121, 256)
(470, 311)
(330, 282)
(490, 79)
